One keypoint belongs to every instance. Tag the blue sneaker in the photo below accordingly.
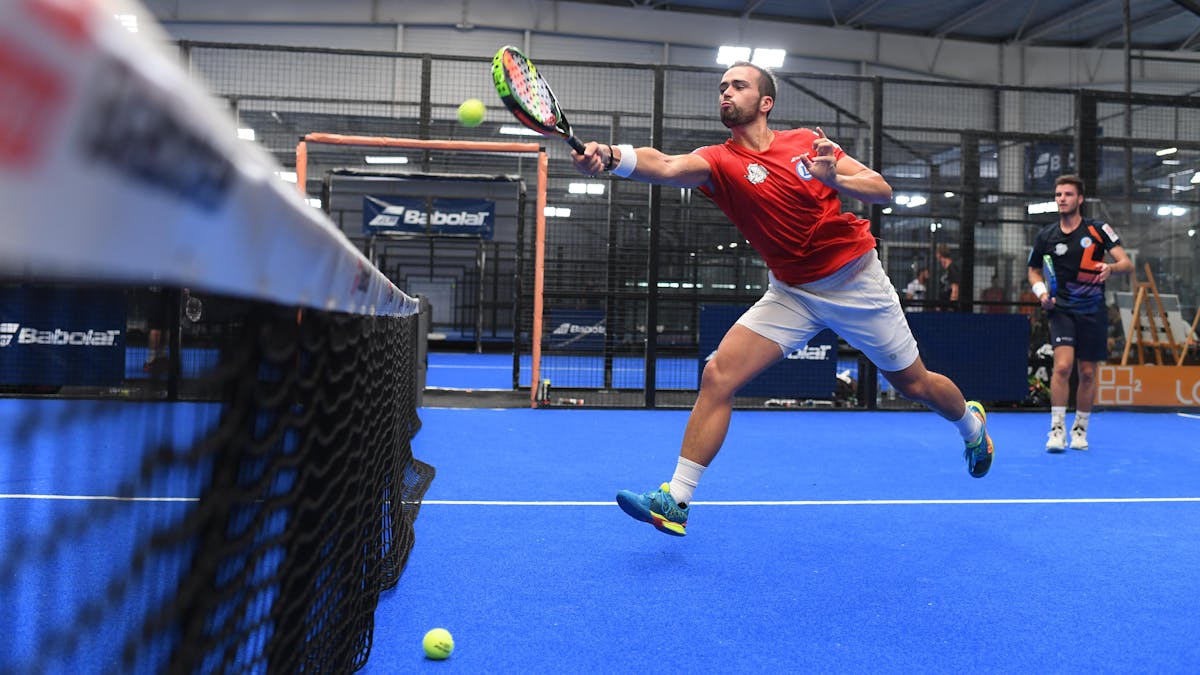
(657, 508)
(979, 453)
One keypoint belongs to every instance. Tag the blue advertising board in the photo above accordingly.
(986, 355)
(808, 372)
(575, 330)
(61, 336)
(474, 217)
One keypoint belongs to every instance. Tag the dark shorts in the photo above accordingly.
(1087, 333)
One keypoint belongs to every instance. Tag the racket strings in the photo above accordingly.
(531, 90)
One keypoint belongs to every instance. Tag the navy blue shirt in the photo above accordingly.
(1077, 257)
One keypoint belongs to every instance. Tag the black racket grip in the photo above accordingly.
(575, 144)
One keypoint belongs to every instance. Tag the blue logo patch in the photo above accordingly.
(802, 172)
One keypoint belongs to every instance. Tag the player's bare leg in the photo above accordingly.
(940, 394)
(741, 355)
(1060, 394)
(1085, 395)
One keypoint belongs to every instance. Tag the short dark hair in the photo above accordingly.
(1070, 179)
(766, 80)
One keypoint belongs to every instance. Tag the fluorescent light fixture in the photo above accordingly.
(385, 159)
(128, 21)
(245, 133)
(589, 188)
(1167, 151)
(901, 199)
(1041, 207)
(314, 202)
(287, 176)
(1168, 210)
(1192, 232)
(727, 54)
(887, 210)
(1196, 178)
(557, 212)
(517, 131)
(948, 195)
(768, 58)
(1172, 162)
(915, 201)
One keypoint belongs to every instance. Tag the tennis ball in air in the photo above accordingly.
(438, 643)
(471, 112)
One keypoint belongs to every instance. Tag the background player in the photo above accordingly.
(1077, 316)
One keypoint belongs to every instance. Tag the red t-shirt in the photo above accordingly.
(793, 220)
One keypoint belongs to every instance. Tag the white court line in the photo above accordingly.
(1190, 416)
(102, 498)
(840, 502)
(832, 502)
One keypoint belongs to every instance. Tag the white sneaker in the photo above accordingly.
(1056, 440)
(1079, 438)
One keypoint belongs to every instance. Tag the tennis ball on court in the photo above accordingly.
(471, 112)
(438, 644)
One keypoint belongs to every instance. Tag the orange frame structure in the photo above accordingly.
(463, 146)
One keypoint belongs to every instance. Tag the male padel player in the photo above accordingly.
(1076, 313)
(780, 188)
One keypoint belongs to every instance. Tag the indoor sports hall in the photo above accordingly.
(302, 356)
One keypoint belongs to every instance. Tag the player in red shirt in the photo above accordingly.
(780, 189)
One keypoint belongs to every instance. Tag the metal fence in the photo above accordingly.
(972, 167)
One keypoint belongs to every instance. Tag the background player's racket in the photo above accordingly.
(528, 97)
(1049, 275)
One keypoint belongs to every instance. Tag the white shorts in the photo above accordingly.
(858, 302)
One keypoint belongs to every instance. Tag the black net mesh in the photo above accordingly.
(236, 506)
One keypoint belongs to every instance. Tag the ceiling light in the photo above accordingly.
(245, 134)
(385, 159)
(1167, 151)
(768, 58)
(727, 54)
(1041, 207)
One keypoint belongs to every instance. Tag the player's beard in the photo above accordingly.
(735, 117)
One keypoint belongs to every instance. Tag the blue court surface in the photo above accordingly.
(819, 541)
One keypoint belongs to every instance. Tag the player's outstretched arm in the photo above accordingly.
(648, 165)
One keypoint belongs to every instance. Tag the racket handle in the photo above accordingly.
(574, 143)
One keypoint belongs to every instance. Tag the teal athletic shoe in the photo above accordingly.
(657, 508)
(979, 453)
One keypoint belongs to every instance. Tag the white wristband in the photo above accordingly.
(628, 161)
(1039, 289)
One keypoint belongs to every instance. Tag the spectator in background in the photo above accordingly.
(947, 280)
(994, 294)
(915, 290)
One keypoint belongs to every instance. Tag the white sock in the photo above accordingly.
(684, 482)
(1058, 416)
(969, 426)
(1081, 419)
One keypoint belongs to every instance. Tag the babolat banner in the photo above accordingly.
(61, 336)
(575, 330)
(473, 217)
(808, 372)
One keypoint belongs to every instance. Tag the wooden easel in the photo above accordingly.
(1146, 298)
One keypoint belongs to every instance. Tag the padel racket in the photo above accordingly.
(528, 97)
(1049, 275)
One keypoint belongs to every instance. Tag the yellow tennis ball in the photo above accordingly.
(471, 112)
(438, 643)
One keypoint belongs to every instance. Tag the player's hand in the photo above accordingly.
(591, 162)
(821, 162)
(1047, 301)
(1104, 272)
